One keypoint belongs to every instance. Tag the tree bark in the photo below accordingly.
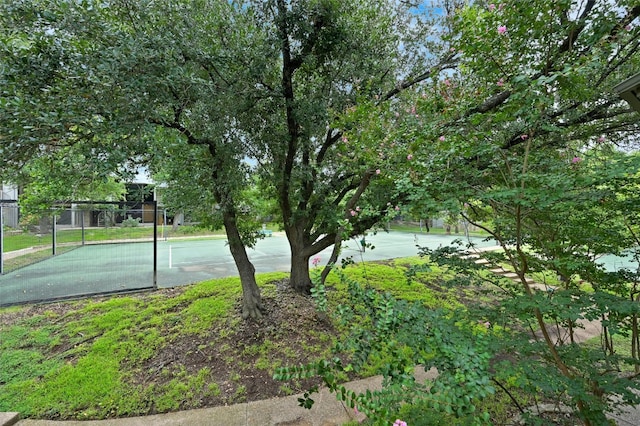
(251, 299)
(337, 246)
(177, 221)
(299, 279)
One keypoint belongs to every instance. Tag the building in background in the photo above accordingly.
(10, 212)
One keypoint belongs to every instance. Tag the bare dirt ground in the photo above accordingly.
(241, 359)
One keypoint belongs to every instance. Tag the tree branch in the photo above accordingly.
(445, 63)
(353, 185)
(329, 141)
(575, 31)
(319, 23)
(491, 103)
(191, 139)
(288, 68)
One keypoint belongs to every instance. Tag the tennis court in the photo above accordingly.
(85, 270)
(111, 268)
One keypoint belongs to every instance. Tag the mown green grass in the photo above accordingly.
(391, 276)
(407, 227)
(68, 236)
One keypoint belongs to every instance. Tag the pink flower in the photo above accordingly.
(524, 137)
(344, 139)
(353, 212)
(628, 27)
(502, 29)
(377, 171)
(447, 82)
(492, 7)
(399, 422)
(441, 138)
(601, 139)
(500, 82)
(409, 157)
(485, 324)
(315, 260)
(397, 208)
(575, 160)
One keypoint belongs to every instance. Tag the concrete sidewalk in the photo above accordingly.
(326, 411)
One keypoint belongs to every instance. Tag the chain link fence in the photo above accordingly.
(76, 250)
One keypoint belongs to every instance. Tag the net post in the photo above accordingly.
(155, 244)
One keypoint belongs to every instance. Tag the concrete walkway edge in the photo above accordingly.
(9, 419)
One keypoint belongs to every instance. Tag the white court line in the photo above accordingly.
(204, 263)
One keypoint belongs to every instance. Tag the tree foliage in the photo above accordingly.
(135, 83)
(526, 140)
(331, 56)
(521, 141)
(228, 81)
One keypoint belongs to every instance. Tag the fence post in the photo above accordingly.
(155, 244)
(53, 235)
(82, 224)
(164, 224)
(1, 240)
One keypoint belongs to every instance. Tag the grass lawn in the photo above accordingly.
(187, 347)
(67, 239)
(65, 236)
(407, 227)
(168, 350)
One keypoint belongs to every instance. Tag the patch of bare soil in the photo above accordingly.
(240, 356)
(57, 310)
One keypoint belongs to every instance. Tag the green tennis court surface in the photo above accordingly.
(109, 268)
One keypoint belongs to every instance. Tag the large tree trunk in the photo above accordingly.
(177, 221)
(300, 280)
(300, 254)
(251, 299)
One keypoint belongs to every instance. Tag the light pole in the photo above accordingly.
(629, 90)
